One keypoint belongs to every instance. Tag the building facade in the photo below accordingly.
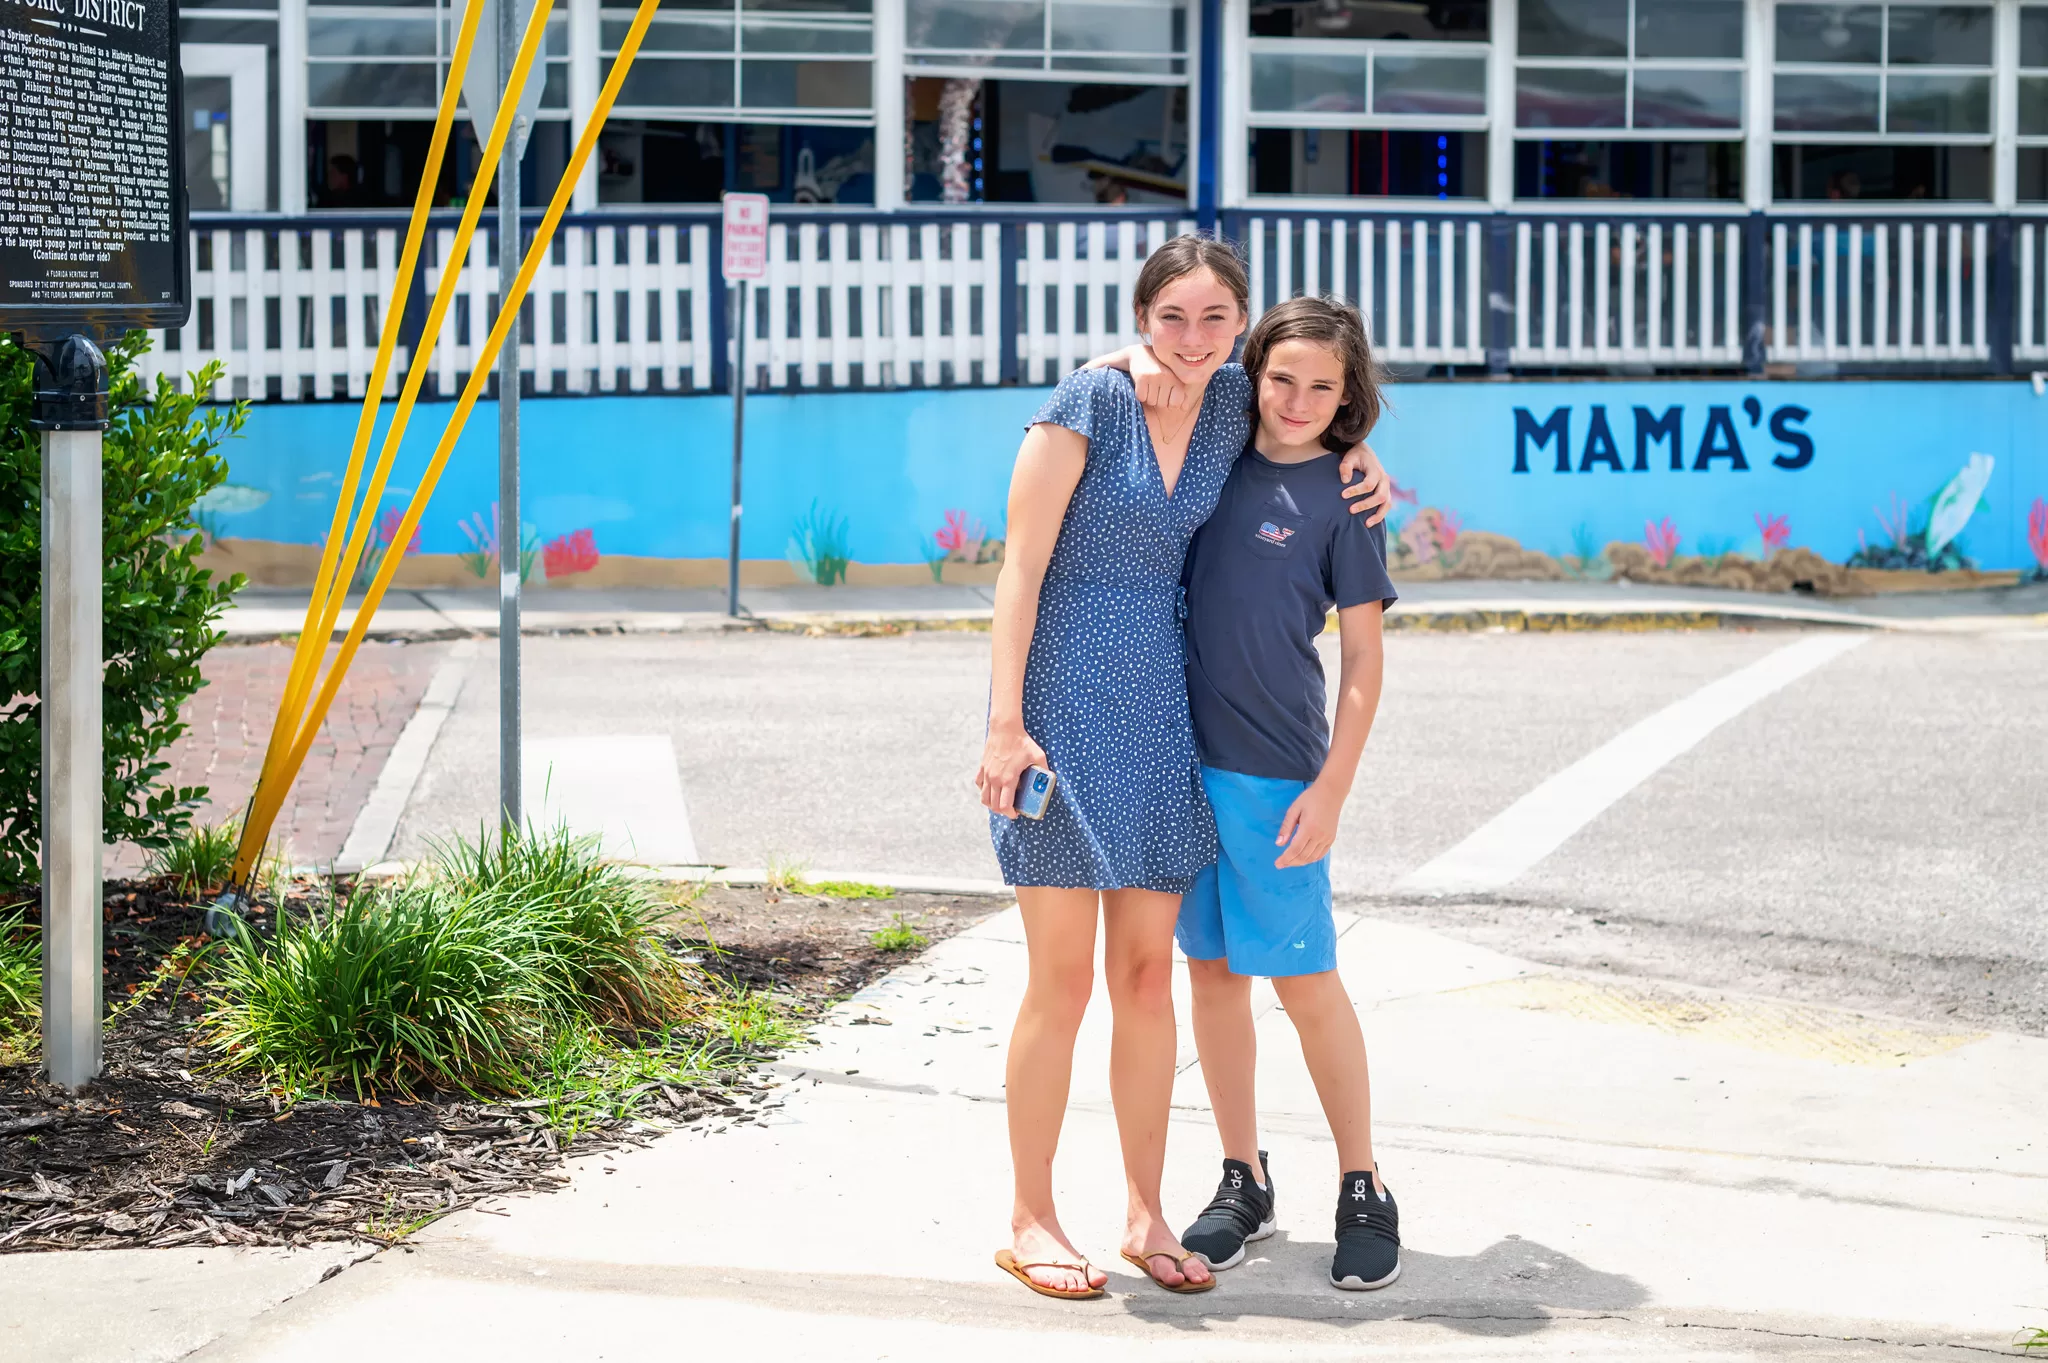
(1653, 233)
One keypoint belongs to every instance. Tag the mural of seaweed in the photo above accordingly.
(1432, 535)
(482, 556)
(818, 548)
(1588, 560)
(1904, 547)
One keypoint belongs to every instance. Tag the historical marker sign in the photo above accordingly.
(92, 175)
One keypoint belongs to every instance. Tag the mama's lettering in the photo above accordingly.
(1720, 442)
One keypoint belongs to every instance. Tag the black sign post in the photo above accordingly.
(92, 243)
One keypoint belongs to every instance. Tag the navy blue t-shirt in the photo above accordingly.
(1281, 549)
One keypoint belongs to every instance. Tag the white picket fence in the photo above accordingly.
(295, 312)
(292, 310)
(1655, 291)
(1417, 281)
(1881, 291)
(2030, 290)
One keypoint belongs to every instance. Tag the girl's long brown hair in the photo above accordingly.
(1328, 322)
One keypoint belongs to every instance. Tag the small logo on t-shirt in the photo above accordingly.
(1274, 534)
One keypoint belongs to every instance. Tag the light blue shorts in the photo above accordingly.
(1263, 920)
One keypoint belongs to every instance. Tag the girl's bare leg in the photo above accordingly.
(1138, 958)
(1059, 932)
(1229, 1047)
(1333, 1044)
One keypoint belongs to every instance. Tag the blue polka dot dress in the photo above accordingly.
(1105, 687)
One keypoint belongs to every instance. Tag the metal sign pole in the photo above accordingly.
(70, 410)
(511, 549)
(739, 425)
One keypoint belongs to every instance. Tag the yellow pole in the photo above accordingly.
(313, 638)
(274, 781)
(271, 792)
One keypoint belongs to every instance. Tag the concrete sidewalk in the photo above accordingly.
(1587, 1167)
(269, 613)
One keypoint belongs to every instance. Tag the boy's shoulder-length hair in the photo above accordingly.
(1334, 323)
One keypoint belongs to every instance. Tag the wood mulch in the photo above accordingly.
(164, 1150)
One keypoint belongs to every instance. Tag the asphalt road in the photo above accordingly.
(1869, 835)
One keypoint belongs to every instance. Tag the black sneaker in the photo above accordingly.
(1368, 1236)
(1240, 1212)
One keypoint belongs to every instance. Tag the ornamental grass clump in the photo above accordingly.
(462, 978)
(21, 974)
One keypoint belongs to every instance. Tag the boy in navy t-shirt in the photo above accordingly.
(1279, 552)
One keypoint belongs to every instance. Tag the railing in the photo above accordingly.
(862, 300)
(1416, 279)
(1661, 292)
(1905, 290)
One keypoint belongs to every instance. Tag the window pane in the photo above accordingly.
(386, 85)
(1441, 21)
(2034, 35)
(1887, 171)
(804, 85)
(1830, 33)
(385, 37)
(813, 6)
(1688, 28)
(975, 25)
(1570, 98)
(668, 35)
(1574, 28)
(1688, 99)
(771, 35)
(555, 93)
(1696, 169)
(1145, 66)
(1938, 104)
(1308, 82)
(666, 81)
(1449, 86)
(1940, 35)
(1122, 26)
(1815, 103)
(2034, 106)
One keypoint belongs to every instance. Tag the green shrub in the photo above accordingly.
(197, 860)
(844, 889)
(465, 979)
(21, 973)
(161, 608)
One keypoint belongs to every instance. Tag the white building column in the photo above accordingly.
(890, 190)
(1234, 83)
(586, 77)
(1759, 48)
(290, 131)
(2005, 113)
(1500, 104)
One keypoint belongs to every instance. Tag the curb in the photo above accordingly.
(754, 875)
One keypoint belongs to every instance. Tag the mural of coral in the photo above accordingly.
(570, 554)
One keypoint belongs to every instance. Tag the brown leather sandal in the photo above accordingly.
(1142, 1262)
(1007, 1262)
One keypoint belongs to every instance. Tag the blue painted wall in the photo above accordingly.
(649, 475)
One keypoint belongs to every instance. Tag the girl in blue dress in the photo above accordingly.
(1089, 681)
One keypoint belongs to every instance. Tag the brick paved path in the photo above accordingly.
(230, 721)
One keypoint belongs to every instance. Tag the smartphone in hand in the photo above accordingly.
(1034, 792)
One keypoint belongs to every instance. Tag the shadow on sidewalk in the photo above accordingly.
(1512, 1287)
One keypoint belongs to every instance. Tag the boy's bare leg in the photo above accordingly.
(1333, 1044)
(1228, 1044)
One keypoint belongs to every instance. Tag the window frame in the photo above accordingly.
(953, 63)
(1628, 64)
(1881, 135)
(1478, 53)
(443, 15)
(738, 111)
